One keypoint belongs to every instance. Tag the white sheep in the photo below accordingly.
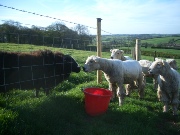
(145, 64)
(119, 54)
(171, 62)
(117, 73)
(168, 84)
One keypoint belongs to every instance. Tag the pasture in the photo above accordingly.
(62, 111)
(162, 40)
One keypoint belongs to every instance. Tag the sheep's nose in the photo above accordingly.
(83, 68)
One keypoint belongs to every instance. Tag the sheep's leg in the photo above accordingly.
(165, 107)
(175, 102)
(141, 90)
(113, 87)
(121, 94)
(175, 110)
(144, 79)
(163, 98)
(159, 94)
(128, 89)
(141, 86)
(155, 82)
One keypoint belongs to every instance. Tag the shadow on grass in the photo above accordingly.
(63, 114)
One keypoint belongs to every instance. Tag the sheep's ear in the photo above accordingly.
(110, 50)
(156, 58)
(122, 51)
(163, 62)
(96, 59)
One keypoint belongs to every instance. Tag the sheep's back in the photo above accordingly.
(177, 76)
(131, 68)
(170, 82)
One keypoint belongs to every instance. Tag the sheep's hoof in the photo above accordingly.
(120, 103)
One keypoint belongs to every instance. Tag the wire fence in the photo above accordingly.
(87, 44)
(34, 70)
(49, 17)
(26, 69)
(22, 68)
(29, 69)
(70, 43)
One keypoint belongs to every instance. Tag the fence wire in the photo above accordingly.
(54, 18)
(12, 69)
(23, 69)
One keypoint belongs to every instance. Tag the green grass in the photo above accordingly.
(162, 40)
(171, 51)
(63, 112)
(149, 52)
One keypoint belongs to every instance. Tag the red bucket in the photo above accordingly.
(96, 100)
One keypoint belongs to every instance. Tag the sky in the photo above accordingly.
(118, 16)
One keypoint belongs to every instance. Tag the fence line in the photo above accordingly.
(70, 43)
(43, 40)
(48, 41)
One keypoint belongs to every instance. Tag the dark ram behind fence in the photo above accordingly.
(34, 70)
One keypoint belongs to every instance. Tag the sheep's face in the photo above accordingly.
(91, 64)
(116, 53)
(70, 64)
(156, 67)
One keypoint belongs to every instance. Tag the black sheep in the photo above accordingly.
(34, 70)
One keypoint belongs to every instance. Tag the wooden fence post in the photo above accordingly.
(137, 50)
(99, 48)
(155, 55)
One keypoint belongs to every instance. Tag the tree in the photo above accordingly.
(81, 29)
(12, 31)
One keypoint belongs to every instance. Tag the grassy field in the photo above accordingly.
(162, 40)
(153, 40)
(170, 53)
(63, 112)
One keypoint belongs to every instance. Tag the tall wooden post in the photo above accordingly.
(99, 48)
(137, 50)
(18, 38)
(155, 55)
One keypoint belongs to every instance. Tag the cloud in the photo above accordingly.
(138, 14)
